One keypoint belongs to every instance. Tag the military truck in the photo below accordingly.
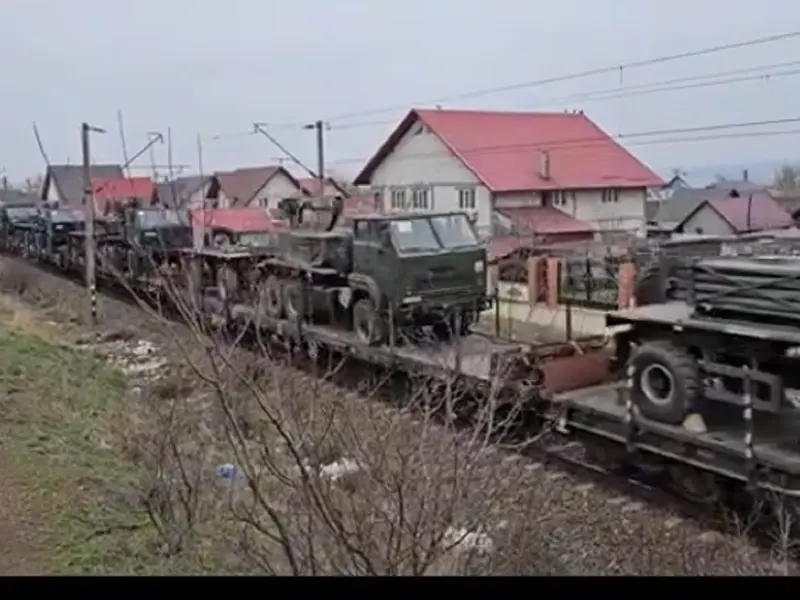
(384, 276)
(726, 334)
(51, 229)
(389, 274)
(137, 242)
(13, 233)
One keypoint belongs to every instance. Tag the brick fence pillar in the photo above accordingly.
(553, 281)
(534, 265)
(626, 283)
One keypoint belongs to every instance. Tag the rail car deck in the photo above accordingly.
(775, 465)
(477, 356)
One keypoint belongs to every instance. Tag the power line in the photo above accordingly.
(579, 75)
(667, 85)
(601, 139)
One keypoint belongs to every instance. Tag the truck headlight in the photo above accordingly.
(478, 266)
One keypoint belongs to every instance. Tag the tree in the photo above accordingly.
(787, 178)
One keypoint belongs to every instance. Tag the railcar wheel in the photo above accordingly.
(272, 297)
(696, 486)
(293, 299)
(227, 281)
(367, 323)
(666, 381)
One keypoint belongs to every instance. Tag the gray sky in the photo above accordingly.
(214, 67)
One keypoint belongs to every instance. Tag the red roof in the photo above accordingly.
(754, 211)
(238, 220)
(545, 220)
(311, 185)
(501, 247)
(359, 206)
(113, 190)
(504, 150)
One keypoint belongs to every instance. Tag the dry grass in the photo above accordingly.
(122, 473)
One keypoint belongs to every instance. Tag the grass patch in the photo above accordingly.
(58, 405)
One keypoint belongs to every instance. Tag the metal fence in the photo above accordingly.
(590, 282)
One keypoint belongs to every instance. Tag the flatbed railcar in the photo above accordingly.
(569, 385)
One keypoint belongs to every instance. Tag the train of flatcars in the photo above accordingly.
(705, 400)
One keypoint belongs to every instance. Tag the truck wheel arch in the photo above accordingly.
(364, 286)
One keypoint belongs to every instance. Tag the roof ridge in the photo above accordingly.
(499, 112)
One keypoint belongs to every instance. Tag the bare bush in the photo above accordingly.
(285, 473)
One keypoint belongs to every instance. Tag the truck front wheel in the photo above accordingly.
(666, 381)
(367, 322)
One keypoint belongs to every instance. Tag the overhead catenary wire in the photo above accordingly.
(577, 75)
(719, 78)
(601, 139)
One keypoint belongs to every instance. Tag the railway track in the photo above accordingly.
(556, 454)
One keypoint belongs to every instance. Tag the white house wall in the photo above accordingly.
(52, 192)
(277, 188)
(421, 159)
(196, 199)
(705, 221)
(626, 214)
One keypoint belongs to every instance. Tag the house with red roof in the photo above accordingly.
(551, 172)
(332, 187)
(734, 213)
(111, 192)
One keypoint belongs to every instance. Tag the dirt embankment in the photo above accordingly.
(142, 447)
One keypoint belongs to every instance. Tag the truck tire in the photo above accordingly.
(367, 323)
(666, 381)
(272, 297)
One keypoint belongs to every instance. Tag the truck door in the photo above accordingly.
(372, 256)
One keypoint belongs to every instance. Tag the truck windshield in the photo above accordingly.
(454, 231)
(161, 218)
(67, 216)
(256, 239)
(21, 212)
(414, 235)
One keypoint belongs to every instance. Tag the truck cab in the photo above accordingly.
(157, 230)
(425, 269)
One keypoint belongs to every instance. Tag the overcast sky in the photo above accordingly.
(214, 67)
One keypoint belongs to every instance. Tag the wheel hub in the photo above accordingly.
(658, 384)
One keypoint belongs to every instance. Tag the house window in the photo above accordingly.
(563, 197)
(377, 198)
(398, 199)
(466, 199)
(420, 199)
(609, 195)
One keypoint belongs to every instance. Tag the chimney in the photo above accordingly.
(745, 175)
(544, 164)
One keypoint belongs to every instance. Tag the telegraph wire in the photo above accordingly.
(576, 76)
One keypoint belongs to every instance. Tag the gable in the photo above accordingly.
(420, 156)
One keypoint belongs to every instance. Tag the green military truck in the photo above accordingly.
(385, 277)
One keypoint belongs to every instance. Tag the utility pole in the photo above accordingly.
(200, 232)
(88, 207)
(319, 126)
